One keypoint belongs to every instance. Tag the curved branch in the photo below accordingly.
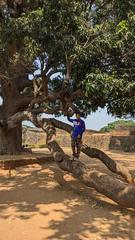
(23, 102)
(109, 162)
(1, 94)
(46, 110)
(23, 83)
(109, 186)
(1, 112)
(58, 95)
(22, 116)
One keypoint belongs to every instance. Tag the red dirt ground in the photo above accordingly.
(39, 202)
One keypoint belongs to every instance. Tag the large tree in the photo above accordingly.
(60, 56)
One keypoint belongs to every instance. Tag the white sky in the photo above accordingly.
(94, 121)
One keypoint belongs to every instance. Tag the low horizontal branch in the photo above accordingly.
(113, 188)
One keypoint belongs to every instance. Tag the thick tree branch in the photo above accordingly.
(1, 94)
(1, 112)
(23, 102)
(77, 94)
(66, 83)
(109, 186)
(46, 110)
(44, 77)
(58, 95)
(23, 83)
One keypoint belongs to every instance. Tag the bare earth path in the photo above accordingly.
(39, 202)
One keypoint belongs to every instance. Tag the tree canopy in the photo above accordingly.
(80, 53)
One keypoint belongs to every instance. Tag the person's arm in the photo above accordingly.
(70, 120)
(83, 128)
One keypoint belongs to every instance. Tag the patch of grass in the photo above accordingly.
(37, 145)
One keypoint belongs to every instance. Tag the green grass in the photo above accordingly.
(37, 145)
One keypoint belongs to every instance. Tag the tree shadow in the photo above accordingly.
(73, 210)
(93, 220)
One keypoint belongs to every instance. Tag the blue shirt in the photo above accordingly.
(78, 127)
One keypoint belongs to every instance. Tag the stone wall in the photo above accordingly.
(97, 140)
(123, 143)
(33, 137)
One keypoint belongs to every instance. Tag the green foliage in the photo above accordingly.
(116, 124)
(111, 81)
(98, 41)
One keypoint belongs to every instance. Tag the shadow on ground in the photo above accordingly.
(49, 204)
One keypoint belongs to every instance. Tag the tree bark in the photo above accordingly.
(109, 162)
(11, 140)
(99, 154)
(113, 188)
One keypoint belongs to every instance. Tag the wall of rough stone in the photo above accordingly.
(97, 140)
(123, 143)
(33, 137)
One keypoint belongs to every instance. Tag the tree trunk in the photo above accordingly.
(11, 140)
